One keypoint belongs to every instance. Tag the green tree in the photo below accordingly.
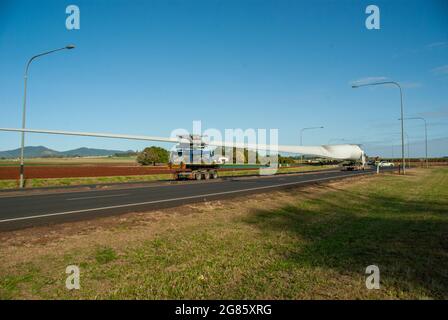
(153, 155)
(285, 160)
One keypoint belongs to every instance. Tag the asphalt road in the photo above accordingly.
(40, 209)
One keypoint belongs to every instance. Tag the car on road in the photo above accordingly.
(383, 164)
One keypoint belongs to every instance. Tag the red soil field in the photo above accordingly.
(79, 171)
(47, 171)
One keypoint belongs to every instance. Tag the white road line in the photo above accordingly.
(168, 200)
(94, 197)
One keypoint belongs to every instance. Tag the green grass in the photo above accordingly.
(292, 244)
(233, 173)
(9, 184)
(58, 182)
(105, 255)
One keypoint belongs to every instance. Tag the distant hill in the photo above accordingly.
(88, 152)
(44, 152)
(30, 152)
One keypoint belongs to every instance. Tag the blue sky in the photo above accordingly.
(148, 67)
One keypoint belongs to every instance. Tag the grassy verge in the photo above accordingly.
(232, 173)
(56, 182)
(9, 184)
(314, 242)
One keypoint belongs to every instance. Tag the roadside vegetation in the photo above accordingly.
(61, 182)
(302, 243)
(305, 168)
(153, 155)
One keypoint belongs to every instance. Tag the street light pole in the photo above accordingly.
(301, 133)
(401, 108)
(409, 156)
(407, 147)
(22, 147)
(426, 135)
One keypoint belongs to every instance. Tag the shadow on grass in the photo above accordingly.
(347, 231)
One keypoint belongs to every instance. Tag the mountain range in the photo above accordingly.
(44, 152)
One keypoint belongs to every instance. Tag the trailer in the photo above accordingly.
(352, 166)
(193, 160)
(196, 172)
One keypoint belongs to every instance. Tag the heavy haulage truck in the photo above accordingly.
(196, 172)
(192, 160)
(196, 160)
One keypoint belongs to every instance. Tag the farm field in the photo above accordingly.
(72, 161)
(74, 171)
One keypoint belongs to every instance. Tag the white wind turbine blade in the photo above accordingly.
(342, 151)
(99, 135)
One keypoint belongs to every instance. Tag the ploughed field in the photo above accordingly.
(49, 168)
(51, 171)
(94, 170)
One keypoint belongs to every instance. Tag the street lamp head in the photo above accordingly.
(70, 46)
